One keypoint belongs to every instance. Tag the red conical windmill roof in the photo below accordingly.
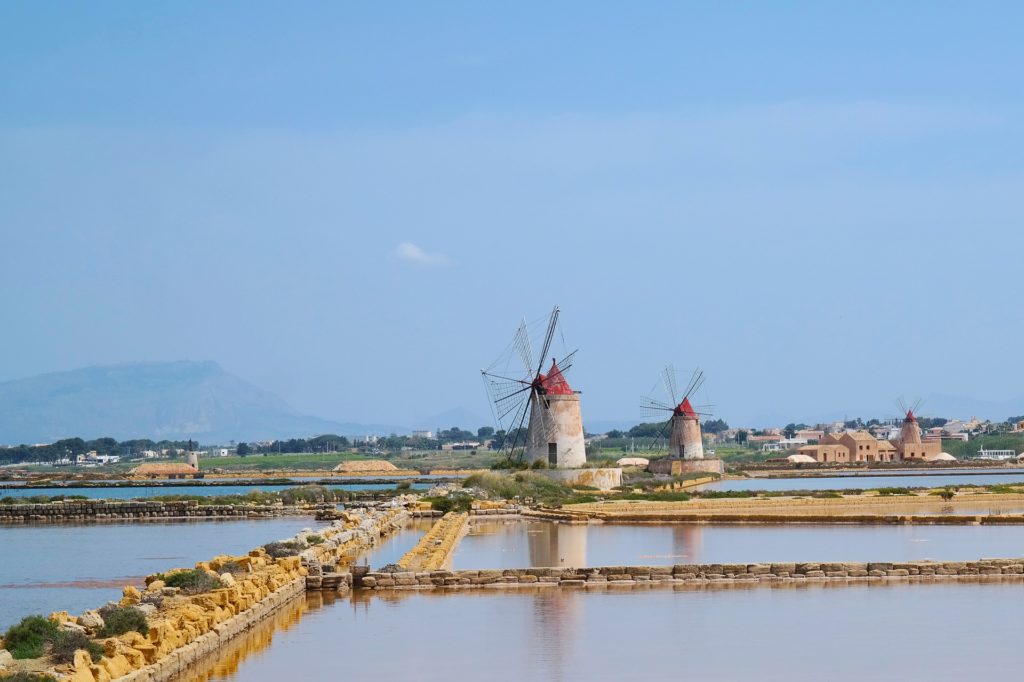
(554, 382)
(686, 409)
(910, 419)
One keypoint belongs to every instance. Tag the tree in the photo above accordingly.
(485, 432)
(242, 449)
(741, 436)
(647, 430)
(789, 431)
(715, 426)
(615, 433)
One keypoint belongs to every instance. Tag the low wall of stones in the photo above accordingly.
(436, 546)
(696, 574)
(96, 510)
(830, 519)
(186, 627)
(212, 642)
(329, 563)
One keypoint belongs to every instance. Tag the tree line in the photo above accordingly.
(69, 448)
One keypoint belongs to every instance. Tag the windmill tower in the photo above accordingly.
(910, 432)
(685, 438)
(545, 403)
(910, 446)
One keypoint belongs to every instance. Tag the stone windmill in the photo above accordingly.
(685, 439)
(910, 432)
(522, 394)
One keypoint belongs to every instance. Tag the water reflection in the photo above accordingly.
(518, 544)
(557, 544)
(722, 633)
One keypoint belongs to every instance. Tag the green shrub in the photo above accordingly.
(233, 567)
(118, 620)
(895, 491)
(315, 539)
(278, 550)
(456, 502)
(28, 639)
(404, 485)
(67, 642)
(26, 677)
(524, 485)
(192, 581)
(308, 494)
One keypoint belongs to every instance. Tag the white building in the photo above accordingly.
(423, 434)
(784, 444)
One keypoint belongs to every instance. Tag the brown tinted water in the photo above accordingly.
(520, 544)
(812, 632)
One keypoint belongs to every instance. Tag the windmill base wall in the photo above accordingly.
(673, 466)
(602, 479)
(556, 419)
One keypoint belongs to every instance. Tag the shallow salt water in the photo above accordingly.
(520, 544)
(77, 567)
(904, 632)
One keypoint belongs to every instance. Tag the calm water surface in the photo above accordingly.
(157, 491)
(849, 482)
(77, 567)
(519, 544)
(906, 632)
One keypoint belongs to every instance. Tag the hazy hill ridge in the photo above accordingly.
(182, 399)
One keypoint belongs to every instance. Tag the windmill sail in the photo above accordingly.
(545, 404)
(683, 420)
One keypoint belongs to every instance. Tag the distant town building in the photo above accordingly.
(464, 445)
(783, 445)
(997, 454)
(860, 446)
(831, 453)
(426, 433)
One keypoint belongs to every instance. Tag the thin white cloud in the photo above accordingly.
(411, 253)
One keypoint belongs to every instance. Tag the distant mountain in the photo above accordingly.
(157, 400)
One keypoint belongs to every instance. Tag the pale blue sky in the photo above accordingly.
(352, 204)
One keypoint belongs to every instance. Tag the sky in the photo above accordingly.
(354, 204)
